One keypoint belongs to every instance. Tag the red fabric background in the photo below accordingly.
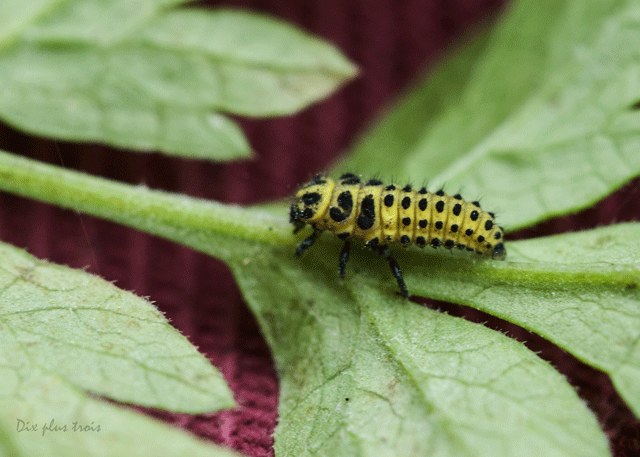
(392, 42)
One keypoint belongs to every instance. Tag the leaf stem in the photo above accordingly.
(161, 213)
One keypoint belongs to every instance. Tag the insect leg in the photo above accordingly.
(344, 257)
(297, 226)
(395, 268)
(306, 244)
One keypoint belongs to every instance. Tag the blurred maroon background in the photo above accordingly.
(392, 42)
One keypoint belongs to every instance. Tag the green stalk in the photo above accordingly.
(161, 213)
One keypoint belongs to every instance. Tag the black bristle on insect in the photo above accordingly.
(319, 179)
(374, 181)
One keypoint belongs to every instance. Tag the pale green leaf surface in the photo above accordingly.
(14, 16)
(372, 375)
(545, 123)
(398, 132)
(99, 338)
(578, 290)
(99, 22)
(162, 78)
(57, 409)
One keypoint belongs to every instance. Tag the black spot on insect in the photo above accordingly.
(488, 225)
(439, 225)
(406, 221)
(422, 223)
(373, 182)
(498, 251)
(488, 245)
(364, 223)
(349, 179)
(367, 216)
(497, 235)
(468, 232)
(440, 193)
(390, 188)
(449, 244)
(420, 241)
(457, 208)
(440, 206)
(493, 215)
(405, 239)
(461, 246)
(435, 242)
(310, 198)
(406, 202)
(407, 188)
(388, 201)
(474, 215)
(337, 215)
(422, 204)
(454, 228)
(423, 191)
(345, 201)
(306, 214)
(457, 197)
(476, 204)
(480, 239)
(343, 235)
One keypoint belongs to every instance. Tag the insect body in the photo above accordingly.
(380, 215)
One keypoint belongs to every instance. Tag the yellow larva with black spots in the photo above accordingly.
(380, 215)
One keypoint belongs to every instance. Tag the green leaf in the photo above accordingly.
(578, 290)
(16, 15)
(97, 22)
(99, 338)
(395, 137)
(370, 375)
(421, 381)
(142, 75)
(42, 415)
(543, 122)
